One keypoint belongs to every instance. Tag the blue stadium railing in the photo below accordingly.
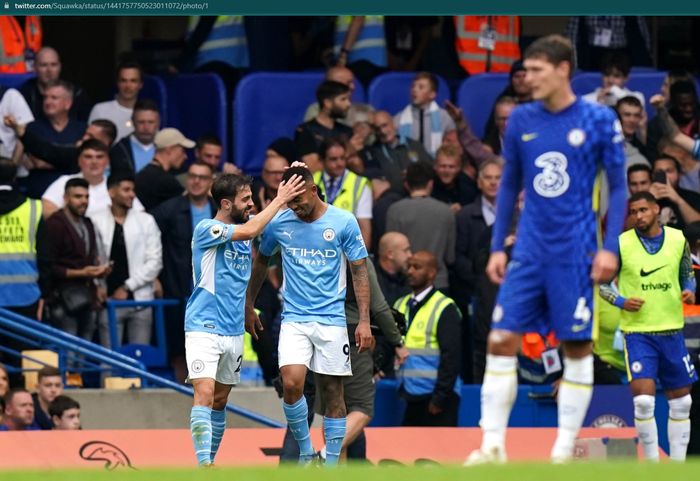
(31, 332)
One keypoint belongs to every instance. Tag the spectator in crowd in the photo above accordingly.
(93, 160)
(19, 411)
(359, 118)
(283, 147)
(48, 70)
(672, 77)
(4, 382)
(69, 264)
(136, 150)
(65, 413)
(495, 133)
(638, 178)
(690, 167)
(475, 151)
(334, 102)
(670, 131)
(360, 44)
(339, 74)
(121, 109)
(48, 387)
(432, 400)
(177, 219)
(517, 87)
(343, 188)
(155, 183)
(679, 207)
(594, 37)
(131, 241)
(451, 185)
(615, 68)
(633, 120)
(391, 262)
(683, 108)
(14, 110)
(209, 150)
(265, 189)
(428, 223)
(423, 119)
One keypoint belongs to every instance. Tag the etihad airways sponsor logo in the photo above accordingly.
(310, 257)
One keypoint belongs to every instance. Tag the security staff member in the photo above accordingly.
(19, 46)
(430, 376)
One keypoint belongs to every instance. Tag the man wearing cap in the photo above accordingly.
(155, 183)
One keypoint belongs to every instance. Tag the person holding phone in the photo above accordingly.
(679, 207)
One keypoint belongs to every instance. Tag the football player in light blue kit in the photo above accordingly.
(316, 241)
(214, 317)
(555, 149)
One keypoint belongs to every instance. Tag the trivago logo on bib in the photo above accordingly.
(310, 257)
(656, 286)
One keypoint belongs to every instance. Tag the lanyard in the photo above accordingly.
(332, 192)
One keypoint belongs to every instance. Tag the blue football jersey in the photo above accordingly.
(220, 274)
(314, 262)
(557, 159)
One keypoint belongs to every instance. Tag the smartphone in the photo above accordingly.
(659, 176)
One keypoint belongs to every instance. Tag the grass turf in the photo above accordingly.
(599, 471)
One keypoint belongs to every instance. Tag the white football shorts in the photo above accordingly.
(322, 348)
(214, 356)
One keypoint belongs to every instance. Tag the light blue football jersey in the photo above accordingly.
(220, 274)
(314, 261)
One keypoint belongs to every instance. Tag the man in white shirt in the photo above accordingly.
(615, 68)
(12, 104)
(120, 110)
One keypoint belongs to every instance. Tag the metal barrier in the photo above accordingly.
(23, 328)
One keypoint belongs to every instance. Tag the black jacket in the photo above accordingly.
(121, 157)
(393, 286)
(470, 227)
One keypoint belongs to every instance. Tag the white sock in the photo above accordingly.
(645, 422)
(575, 393)
(679, 426)
(498, 394)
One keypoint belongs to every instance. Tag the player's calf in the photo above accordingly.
(645, 422)
(679, 426)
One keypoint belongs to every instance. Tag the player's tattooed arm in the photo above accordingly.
(360, 282)
(257, 277)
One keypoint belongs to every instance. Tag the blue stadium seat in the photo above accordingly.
(476, 97)
(197, 106)
(15, 80)
(154, 89)
(391, 91)
(585, 82)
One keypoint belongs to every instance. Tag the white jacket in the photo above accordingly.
(143, 248)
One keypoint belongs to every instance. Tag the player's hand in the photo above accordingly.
(658, 101)
(496, 268)
(604, 266)
(433, 409)
(688, 297)
(230, 168)
(402, 354)
(252, 322)
(633, 304)
(363, 336)
(291, 188)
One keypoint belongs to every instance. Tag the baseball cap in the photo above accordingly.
(170, 136)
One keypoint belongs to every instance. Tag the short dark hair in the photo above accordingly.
(554, 48)
(108, 126)
(146, 104)
(302, 172)
(682, 87)
(8, 170)
(65, 85)
(430, 77)
(629, 100)
(208, 139)
(93, 144)
(692, 233)
(328, 143)
(638, 168)
(203, 164)
(62, 404)
(419, 174)
(130, 64)
(330, 89)
(643, 195)
(76, 182)
(48, 371)
(675, 161)
(116, 178)
(612, 61)
(227, 186)
(12, 393)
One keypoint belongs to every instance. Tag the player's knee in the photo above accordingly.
(220, 400)
(644, 406)
(292, 387)
(679, 408)
(502, 343)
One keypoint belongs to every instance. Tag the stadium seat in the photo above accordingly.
(585, 82)
(391, 91)
(197, 106)
(114, 382)
(476, 97)
(39, 359)
(15, 80)
(154, 89)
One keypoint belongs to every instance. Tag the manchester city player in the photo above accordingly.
(214, 317)
(316, 241)
(554, 148)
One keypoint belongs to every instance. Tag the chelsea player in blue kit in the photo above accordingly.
(554, 148)
(317, 241)
(214, 316)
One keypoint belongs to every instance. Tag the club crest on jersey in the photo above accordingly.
(576, 137)
(216, 231)
(328, 235)
(636, 367)
(497, 315)
(617, 128)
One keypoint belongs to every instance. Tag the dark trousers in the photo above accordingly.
(417, 413)
(694, 445)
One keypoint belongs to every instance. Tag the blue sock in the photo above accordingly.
(334, 431)
(297, 418)
(218, 425)
(200, 426)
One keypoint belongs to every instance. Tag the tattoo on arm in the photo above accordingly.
(360, 282)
